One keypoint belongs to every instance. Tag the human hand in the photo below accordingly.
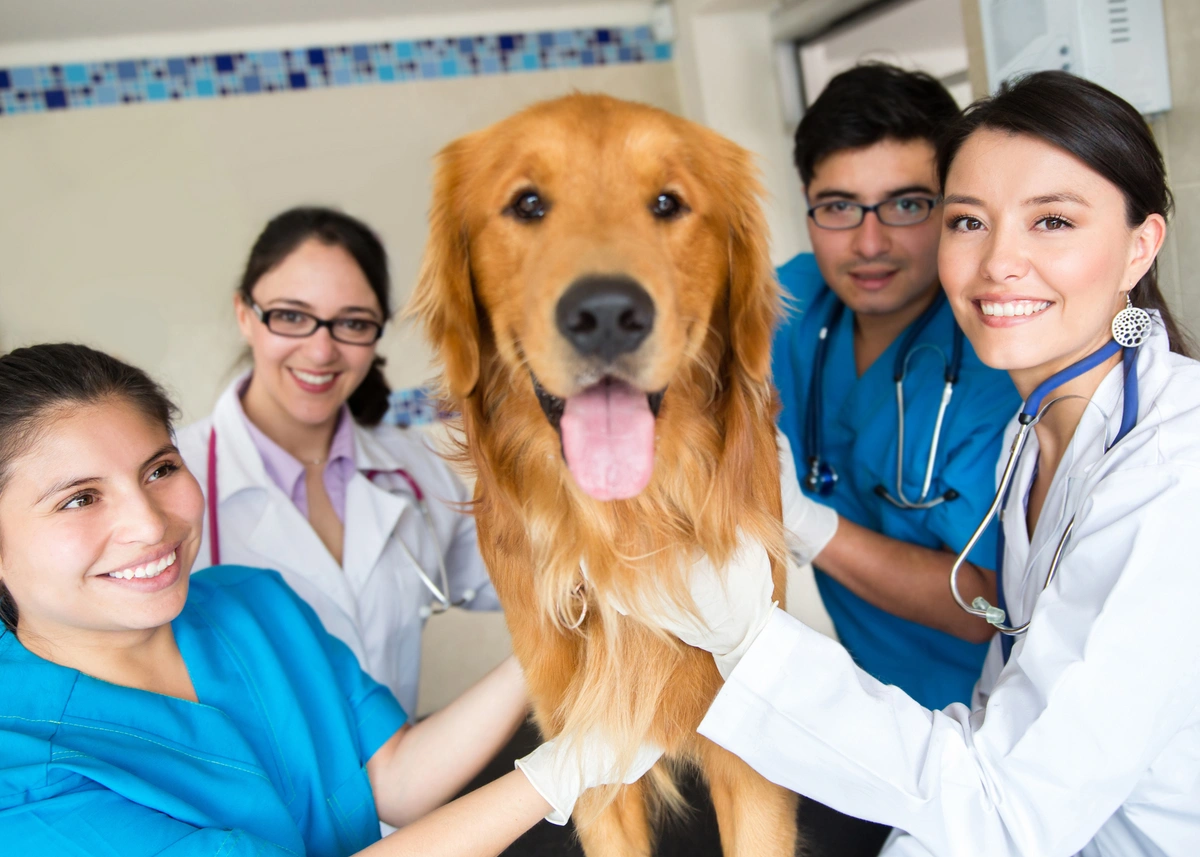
(563, 769)
(809, 525)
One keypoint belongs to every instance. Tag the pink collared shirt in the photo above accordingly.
(287, 472)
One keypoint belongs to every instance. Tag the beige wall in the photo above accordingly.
(1178, 135)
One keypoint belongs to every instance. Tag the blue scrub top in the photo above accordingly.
(859, 433)
(271, 761)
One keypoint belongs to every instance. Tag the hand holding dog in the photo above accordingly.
(733, 607)
(808, 526)
(563, 769)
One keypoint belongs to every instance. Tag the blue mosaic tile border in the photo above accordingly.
(414, 407)
(36, 89)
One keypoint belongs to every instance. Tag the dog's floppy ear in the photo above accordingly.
(754, 295)
(443, 300)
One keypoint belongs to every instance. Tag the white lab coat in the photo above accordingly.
(1088, 740)
(370, 601)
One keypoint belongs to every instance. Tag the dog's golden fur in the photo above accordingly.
(486, 298)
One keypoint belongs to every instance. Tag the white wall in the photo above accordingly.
(126, 227)
(725, 56)
(925, 35)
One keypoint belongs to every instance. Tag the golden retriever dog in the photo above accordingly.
(598, 293)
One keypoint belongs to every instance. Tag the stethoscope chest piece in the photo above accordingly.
(821, 477)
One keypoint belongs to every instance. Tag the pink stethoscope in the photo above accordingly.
(441, 596)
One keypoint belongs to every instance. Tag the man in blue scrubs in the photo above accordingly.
(865, 152)
(867, 302)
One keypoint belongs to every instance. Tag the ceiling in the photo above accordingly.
(54, 20)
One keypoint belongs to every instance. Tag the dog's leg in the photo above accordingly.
(621, 830)
(757, 818)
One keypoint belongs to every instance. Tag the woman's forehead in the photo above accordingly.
(321, 276)
(91, 439)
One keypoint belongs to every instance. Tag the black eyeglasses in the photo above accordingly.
(900, 211)
(297, 325)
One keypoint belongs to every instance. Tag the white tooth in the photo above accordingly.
(987, 308)
(312, 378)
(1010, 310)
(140, 571)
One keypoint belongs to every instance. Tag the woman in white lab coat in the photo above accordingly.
(1084, 736)
(300, 475)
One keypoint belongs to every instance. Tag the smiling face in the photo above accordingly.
(606, 244)
(874, 268)
(1037, 254)
(99, 525)
(307, 380)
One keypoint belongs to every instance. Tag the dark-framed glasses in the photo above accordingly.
(297, 325)
(898, 211)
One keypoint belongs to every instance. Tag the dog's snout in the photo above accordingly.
(605, 316)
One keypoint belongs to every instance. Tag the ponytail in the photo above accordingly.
(371, 400)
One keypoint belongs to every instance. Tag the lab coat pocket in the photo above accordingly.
(353, 805)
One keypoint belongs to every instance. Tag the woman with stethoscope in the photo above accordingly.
(300, 476)
(1084, 734)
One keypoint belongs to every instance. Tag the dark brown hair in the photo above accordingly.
(42, 380)
(286, 232)
(1100, 129)
(869, 103)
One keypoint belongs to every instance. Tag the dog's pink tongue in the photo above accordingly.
(608, 439)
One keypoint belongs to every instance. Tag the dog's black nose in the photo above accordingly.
(605, 316)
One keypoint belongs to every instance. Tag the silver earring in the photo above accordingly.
(1131, 327)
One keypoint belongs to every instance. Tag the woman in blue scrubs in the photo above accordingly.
(148, 712)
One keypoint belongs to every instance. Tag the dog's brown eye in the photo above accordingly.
(527, 205)
(666, 206)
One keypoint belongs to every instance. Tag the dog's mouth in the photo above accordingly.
(607, 433)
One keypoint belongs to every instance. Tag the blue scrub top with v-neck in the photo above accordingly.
(271, 761)
(859, 435)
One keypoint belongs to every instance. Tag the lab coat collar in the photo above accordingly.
(372, 512)
(1101, 421)
(1098, 428)
(239, 465)
(293, 543)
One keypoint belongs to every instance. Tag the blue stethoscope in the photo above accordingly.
(1030, 414)
(822, 476)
